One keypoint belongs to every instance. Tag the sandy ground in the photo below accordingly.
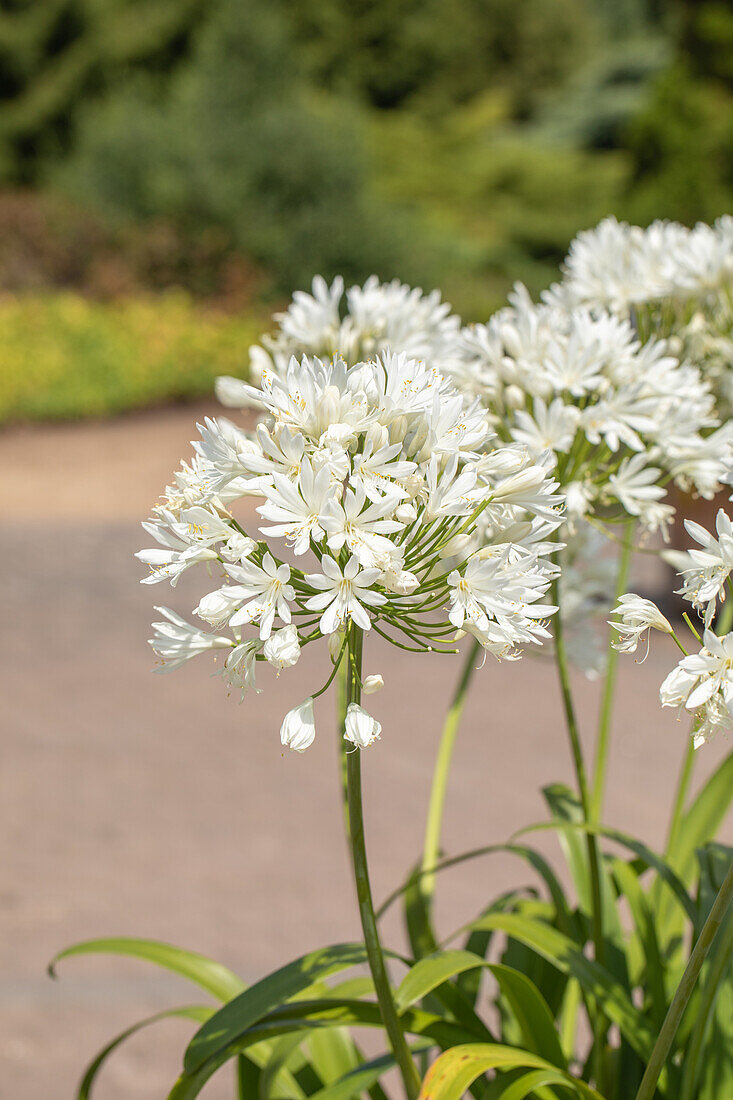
(156, 806)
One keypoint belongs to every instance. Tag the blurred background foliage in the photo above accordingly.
(230, 149)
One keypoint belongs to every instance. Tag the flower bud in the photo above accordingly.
(335, 641)
(238, 547)
(282, 648)
(361, 729)
(299, 727)
(399, 580)
(514, 397)
(373, 683)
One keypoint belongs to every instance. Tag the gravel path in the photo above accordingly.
(156, 806)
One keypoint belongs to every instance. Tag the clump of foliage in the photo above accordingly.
(65, 356)
(238, 140)
(690, 108)
(54, 54)
(48, 243)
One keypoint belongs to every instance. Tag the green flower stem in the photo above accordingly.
(561, 660)
(342, 688)
(672, 1021)
(390, 1019)
(431, 845)
(609, 684)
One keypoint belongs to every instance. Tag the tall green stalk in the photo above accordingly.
(609, 684)
(387, 1008)
(676, 1011)
(576, 748)
(434, 822)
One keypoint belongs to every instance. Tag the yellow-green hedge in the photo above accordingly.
(63, 356)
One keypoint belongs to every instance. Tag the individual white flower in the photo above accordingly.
(188, 539)
(282, 648)
(636, 616)
(342, 596)
(237, 548)
(298, 729)
(550, 427)
(177, 641)
(372, 683)
(296, 508)
(240, 667)
(707, 570)
(359, 526)
(266, 591)
(713, 717)
(360, 728)
(635, 484)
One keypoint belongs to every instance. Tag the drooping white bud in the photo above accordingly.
(299, 727)
(335, 641)
(361, 729)
(372, 684)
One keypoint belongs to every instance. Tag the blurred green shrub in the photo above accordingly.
(510, 204)
(432, 55)
(64, 356)
(53, 53)
(682, 147)
(682, 141)
(240, 141)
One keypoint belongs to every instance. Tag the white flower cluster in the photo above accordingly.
(394, 506)
(671, 280)
(701, 683)
(617, 266)
(620, 418)
(364, 322)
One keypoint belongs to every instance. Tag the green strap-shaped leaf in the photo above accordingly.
(432, 971)
(565, 955)
(198, 1013)
(209, 975)
(531, 1012)
(530, 1083)
(327, 1012)
(645, 936)
(664, 868)
(703, 819)
(254, 1003)
(360, 1079)
(698, 826)
(455, 1071)
(526, 1002)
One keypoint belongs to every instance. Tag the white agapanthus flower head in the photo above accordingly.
(618, 418)
(668, 280)
(356, 324)
(370, 497)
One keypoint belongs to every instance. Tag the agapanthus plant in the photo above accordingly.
(417, 481)
(397, 513)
